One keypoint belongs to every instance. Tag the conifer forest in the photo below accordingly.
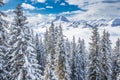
(24, 55)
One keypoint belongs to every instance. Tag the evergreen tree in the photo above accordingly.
(73, 58)
(94, 64)
(80, 61)
(41, 54)
(105, 57)
(3, 45)
(116, 61)
(68, 59)
(50, 73)
(62, 63)
(23, 62)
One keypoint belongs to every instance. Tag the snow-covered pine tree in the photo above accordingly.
(62, 62)
(105, 58)
(50, 40)
(23, 62)
(41, 54)
(3, 45)
(94, 62)
(77, 75)
(80, 61)
(73, 57)
(67, 47)
(116, 61)
(68, 59)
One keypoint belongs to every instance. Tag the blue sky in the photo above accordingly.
(79, 9)
(43, 6)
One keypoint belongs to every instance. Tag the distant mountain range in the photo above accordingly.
(37, 21)
(83, 23)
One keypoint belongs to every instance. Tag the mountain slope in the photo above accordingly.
(116, 22)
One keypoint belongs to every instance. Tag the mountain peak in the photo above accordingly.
(61, 18)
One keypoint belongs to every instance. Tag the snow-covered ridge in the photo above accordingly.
(116, 22)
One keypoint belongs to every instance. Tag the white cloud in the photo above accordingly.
(75, 2)
(41, 1)
(35, 18)
(40, 8)
(96, 9)
(5, 1)
(62, 4)
(82, 3)
(27, 6)
(49, 7)
(103, 10)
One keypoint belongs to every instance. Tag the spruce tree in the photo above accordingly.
(23, 62)
(41, 53)
(73, 58)
(62, 61)
(105, 57)
(4, 48)
(116, 61)
(50, 40)
(80, 63)
(68, 59)
(94, 62)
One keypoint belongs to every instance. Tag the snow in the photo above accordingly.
(40, 23)
(61, 18)
(116, 22)
(83, 33)
(20, 74)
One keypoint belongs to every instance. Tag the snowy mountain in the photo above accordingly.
(79, 28)
(57, 20)
(80, 23)
(116, 22)
(61, 18)
(75, 24)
